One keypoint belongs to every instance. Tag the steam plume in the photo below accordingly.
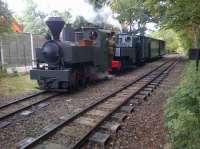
(100, 16)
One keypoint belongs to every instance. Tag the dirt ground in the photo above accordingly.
(144, 128)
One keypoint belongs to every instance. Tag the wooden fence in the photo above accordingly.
(17, 50)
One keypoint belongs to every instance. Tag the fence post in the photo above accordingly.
(32, 50)
(1, 53)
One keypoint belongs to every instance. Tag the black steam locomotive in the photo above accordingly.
(64, 64)
(83, 55)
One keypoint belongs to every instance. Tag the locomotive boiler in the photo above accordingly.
(64, 64)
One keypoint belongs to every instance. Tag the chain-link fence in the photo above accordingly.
(17, 50)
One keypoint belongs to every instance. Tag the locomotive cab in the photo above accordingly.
(125, 52)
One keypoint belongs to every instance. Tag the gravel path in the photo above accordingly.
(32, 125)
(144, 129)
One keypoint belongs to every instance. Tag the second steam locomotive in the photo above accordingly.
(87, 55)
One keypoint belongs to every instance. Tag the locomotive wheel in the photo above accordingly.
(41, 84)
(83, 82)
(64, 85)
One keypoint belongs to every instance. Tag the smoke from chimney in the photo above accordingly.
(100, 16)
(105, 16)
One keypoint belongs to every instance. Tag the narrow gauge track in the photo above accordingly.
(108, 105)
(24, 103)
(21, 99)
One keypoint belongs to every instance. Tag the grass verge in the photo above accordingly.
(182, 111)
(15, 85)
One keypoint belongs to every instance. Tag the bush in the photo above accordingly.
(182, 112)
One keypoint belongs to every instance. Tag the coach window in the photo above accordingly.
(119, 41)
(93, 35)
(128, 39)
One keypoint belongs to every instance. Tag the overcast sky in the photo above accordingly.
(77, 7)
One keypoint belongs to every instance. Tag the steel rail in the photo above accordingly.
(29, 106)
(74, 116)
(81, 141)
(22, 99)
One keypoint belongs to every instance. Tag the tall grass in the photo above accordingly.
(182, 112)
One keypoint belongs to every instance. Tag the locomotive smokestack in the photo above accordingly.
(55, 25)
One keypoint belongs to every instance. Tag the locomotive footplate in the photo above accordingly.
(61, 75)
(52, 79)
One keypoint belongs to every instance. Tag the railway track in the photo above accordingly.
(21, 99)
(24, 103)
(77, 128)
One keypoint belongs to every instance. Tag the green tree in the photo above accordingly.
(5, 18)
(99, 3)
(182, 112)
(133, 12)
(80, 22)
(65, 15)
(34, 20)
(180, 15)
(170, 37)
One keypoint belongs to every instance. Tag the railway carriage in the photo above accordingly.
(151, 48)
(141, 46)
(135, 50)
(162, 47)
(154, 49)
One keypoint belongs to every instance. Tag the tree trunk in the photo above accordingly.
(139, 27)
(130, 28)
(196, 33)
(131, 23)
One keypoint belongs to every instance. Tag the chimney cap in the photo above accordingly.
(55, 25)
(59, 19)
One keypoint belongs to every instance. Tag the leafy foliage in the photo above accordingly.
(133, 12)
(180, 15)
(5, 18)
(186, 40)
(183, 112)
(80, 22)
(65, 15)
(98, 3)
(170, 37)
(33, 19)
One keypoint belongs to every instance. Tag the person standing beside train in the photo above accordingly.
(111, 46)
